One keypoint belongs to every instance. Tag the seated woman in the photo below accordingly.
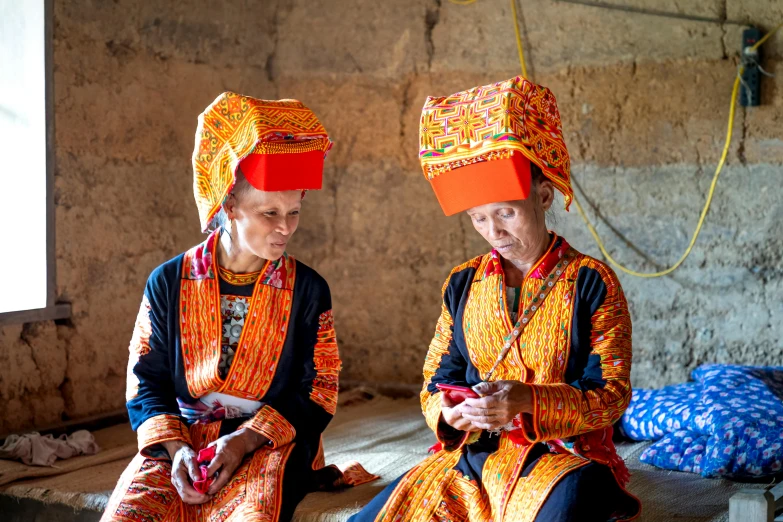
(234, 347)
(539, 331)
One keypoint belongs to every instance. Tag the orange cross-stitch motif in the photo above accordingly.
(231, 128)
(493, 122)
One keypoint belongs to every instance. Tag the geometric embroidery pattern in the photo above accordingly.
(161, 428)
(524, 506)
(232, 127)
(439, 346)
(538, 357)
(539, 354)
(269, 423)
(139, 346)
(144, 493)
(254, 492)
(327, 365)
(492, 122)
(265, 323)
(560, 410)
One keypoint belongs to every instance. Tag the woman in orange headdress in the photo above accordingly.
(234, 367)
(530, 363)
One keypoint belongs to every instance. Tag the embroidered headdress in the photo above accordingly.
(278, 145)
(476, 146)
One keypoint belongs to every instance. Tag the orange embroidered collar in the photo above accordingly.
(238, 279)
(557, 248)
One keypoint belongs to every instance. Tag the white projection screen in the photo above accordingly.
(24, 194)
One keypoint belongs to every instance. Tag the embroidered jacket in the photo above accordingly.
(286, 359)
(575, 353)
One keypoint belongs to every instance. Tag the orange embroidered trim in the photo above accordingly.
(431, 407)
(144, 492)
(238, 279)
(200, 323)
(439, 346)
(161, 428)
(501, 472)
(433, 490)
(354, 474)
(542, 348)
(531, 492)
(434, 170)
(528, 313)
(266, 324)
(139, 346)
(202, 434)
(319, 461)
(560, 410)
(326, 359)
(419, 492)
(265, 489)
(269, 423)
(291, 147)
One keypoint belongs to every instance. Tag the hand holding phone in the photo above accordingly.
(457, 394)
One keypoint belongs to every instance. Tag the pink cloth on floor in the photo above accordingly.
(43, 450)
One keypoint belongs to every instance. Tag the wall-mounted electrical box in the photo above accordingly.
(750, 90)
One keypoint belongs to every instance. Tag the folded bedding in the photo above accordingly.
(726, 422)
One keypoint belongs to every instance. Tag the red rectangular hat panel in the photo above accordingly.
(483, 182)
(279, 172)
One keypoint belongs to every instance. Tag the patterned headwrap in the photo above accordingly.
(474, 144)
(280, 144)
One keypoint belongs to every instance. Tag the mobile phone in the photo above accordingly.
(457, 393)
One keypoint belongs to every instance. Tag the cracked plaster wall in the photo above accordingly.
(644, 102)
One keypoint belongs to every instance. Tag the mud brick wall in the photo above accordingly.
(644, 102)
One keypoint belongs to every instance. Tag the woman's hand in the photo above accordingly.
(229, 452)
(451, 412)
(500, 402)
(184, 471)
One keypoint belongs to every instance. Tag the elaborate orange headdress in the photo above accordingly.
(278, 145)
(476, 145)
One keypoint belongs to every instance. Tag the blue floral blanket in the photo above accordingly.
(727, 422)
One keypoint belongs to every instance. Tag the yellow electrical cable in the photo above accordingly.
(520, 50)
(704, 211)
(766, 37)
(710, 194)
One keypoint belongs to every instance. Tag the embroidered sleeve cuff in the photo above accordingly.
(451, 439)
(269, 423)
(431, 407)
(556, 413)
(161, 428)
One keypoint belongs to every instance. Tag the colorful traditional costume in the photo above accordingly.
(568, 337)
(214, 351)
